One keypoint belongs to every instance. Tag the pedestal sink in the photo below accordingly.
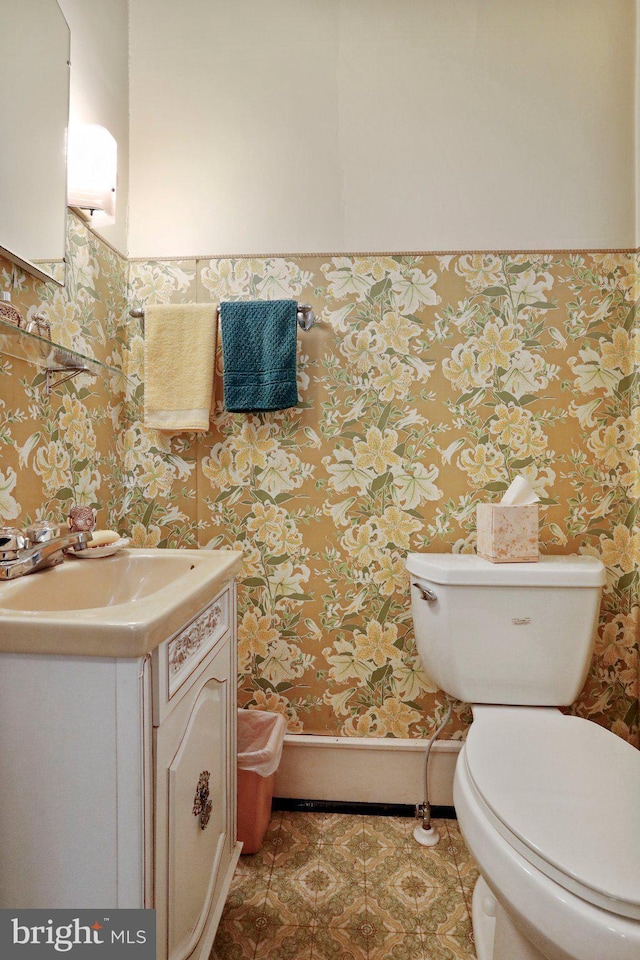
(120, 606)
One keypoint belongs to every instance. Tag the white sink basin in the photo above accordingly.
(119, 606)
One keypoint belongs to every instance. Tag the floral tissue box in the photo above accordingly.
(507, 534)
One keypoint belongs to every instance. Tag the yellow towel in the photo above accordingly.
(179, 355)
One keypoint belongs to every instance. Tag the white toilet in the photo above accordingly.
(549, 804)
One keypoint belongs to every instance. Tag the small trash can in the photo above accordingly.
(260, 740)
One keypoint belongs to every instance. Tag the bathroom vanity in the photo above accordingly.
(118, 773)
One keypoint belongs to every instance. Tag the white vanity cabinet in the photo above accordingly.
(118, 780)
(195, 709)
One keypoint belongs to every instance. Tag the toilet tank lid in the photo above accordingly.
(467, 568)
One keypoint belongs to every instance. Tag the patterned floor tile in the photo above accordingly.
(246, 898)
(285, 943)
(389, 830)
(293, 855)
(468, 874)
(456, 840)
(444, 913)
(255, 864)
(235, 940)
(446, 948)
(339, 828)
(314, 880)
(388, 866)
(302, 826)
(370, 932)
(287, 903)
(361, 846)
(344, 907)
(452, 825)
(397, 946)
(342, 863)
(444, 848)
(412, 888)
(336, 943)
(434, 866)
(337, 887)
(394, 906)
(468, 871)
(463, 942)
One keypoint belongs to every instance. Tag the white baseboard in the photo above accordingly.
(365, 770)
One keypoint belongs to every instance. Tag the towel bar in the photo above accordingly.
(306, 317)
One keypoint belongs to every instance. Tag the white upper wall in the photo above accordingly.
(637, 121)
(100, 86)
(352, 125)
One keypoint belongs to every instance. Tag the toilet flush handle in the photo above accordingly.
(426, 593)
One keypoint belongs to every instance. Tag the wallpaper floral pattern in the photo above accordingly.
(60, 450)
(429, 382)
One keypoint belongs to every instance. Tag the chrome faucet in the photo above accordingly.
(39, 546)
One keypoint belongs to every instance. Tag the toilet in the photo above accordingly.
(549, 804)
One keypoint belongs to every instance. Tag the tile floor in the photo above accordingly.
(342, 887)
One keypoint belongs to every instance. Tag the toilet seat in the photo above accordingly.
(563, 792)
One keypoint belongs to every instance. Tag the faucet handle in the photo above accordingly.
(42, 530)
(11, 541)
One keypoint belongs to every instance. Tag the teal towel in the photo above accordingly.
(259, 351)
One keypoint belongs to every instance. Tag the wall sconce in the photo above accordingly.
(92, 169)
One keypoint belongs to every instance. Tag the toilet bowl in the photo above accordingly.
(549, 804)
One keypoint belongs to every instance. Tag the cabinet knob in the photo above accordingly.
(201, 802)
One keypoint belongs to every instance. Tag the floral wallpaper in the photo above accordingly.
(427, 384)
(60, 450)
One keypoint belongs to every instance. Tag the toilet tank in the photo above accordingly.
(508, 633)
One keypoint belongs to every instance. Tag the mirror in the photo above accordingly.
(34, 110)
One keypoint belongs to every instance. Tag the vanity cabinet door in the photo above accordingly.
(194, 820)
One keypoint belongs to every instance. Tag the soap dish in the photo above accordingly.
(94, 553)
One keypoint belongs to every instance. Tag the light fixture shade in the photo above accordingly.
(92, 168)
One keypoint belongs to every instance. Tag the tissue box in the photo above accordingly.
(507, 534)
